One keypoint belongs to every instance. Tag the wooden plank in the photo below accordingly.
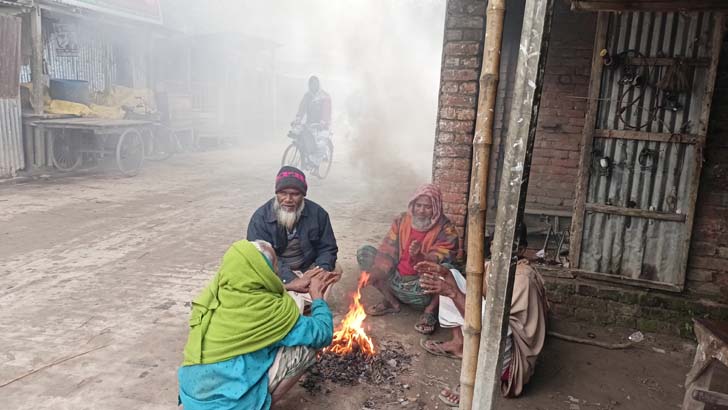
(90, 123)
(535, 35)
(10, 61)
(649, 136)
(36, 62)
(648, 5)
(624, 280)
(665, 61)
(716, 43)
(582, 184)
(711, 397)
(634, 212)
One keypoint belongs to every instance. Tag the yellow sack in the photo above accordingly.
(68, 107)
(138, 100)
(102, 111)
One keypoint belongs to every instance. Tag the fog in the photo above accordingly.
(379, 60)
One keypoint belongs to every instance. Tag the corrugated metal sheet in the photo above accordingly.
(654, 35)
(95, 57)
(634, 247)
(11, 141)
(11, 146)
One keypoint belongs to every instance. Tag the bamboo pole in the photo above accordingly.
(527, 88)
(478, 201)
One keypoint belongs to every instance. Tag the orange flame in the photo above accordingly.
(351, 334)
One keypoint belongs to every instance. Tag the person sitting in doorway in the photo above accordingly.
(422, 233)
(299, 230)
(248, 342)
(527, 323)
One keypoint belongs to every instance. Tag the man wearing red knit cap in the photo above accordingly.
(299, 230)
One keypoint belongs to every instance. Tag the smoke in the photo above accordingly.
(378, 59)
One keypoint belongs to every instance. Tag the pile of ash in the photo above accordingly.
(390, 360)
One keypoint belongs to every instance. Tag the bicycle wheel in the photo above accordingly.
(130, 152)
(162, 144)
(325, 165)
(66, 153)
(291, 156)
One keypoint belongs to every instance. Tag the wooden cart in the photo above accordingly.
(75, 140)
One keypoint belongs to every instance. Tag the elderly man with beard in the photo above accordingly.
(299, 230)
(421, 234)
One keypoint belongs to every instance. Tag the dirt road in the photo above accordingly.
(100, 261)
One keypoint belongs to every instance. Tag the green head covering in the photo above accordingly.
(244, 308)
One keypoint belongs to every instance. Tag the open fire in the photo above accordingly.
(352, 359)
(351, 336)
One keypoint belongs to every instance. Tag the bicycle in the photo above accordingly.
(296, 154)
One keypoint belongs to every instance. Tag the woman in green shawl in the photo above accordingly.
(248, 342)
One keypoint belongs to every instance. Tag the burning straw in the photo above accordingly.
(352, 358)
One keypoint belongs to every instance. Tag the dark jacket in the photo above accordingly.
(314, 232)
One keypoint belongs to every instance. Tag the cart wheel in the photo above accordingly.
(291, 156)
(66, 155)
(130, 152)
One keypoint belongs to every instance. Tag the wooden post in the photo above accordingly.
(587, 139)
(36, 63)
(512, 196)
(477, 203)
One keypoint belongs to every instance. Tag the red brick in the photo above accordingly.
(453, 35)
(452, 209)
(463, 138)
(473, 35)
(454, 163)
(450, 87)
(703, 262)
(700, 248)
(564, 163)
(453, 198)
(461, 48)
(448, 113)
(475, 22)
(471, 62)
(456, 126)
(459, 75)
(457, 100)
(465, 114)
(445, 138)
(470, 87)
(453, 151)
(454, 175)
(453, 187)
(701, 275)
(452, 62)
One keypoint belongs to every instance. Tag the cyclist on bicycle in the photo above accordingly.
(316, 108)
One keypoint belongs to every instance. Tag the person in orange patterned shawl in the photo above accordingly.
(421, 234)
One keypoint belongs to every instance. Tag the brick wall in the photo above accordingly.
(555, 162)
(563, 109)
(461, 58)
(561, 119)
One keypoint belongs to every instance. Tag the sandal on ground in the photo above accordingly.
(381, 309)
(434, 348)
(427, 323)
(446, 398)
